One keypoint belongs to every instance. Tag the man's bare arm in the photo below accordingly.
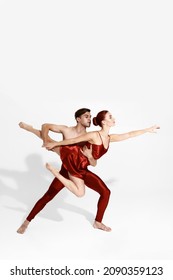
(46, 127)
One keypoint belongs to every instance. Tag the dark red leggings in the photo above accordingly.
(91, 180)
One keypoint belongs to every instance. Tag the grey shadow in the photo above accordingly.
(31, 186)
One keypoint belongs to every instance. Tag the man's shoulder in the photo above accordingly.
(69, 127)
(60, 128)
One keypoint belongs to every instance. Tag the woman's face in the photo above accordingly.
(109, 119)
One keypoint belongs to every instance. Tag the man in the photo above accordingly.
(83, 119)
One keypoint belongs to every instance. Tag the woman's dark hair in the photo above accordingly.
(100, 117)
(80, 112)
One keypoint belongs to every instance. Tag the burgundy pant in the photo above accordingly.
(91, 180)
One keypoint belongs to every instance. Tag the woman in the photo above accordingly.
(99, 141)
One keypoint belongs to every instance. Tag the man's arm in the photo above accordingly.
(124, 136)
(46, 127)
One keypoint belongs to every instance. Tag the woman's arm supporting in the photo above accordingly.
(130, 134)
(89, 136)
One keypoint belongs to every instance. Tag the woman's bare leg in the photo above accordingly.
(38, 133)
(33, 130)
(75, 185)
(30, 128)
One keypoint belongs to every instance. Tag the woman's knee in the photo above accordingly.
(80, 189)
(80, 193)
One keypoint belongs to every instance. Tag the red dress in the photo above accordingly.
(75, 162)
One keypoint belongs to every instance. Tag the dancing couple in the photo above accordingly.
(77, 151)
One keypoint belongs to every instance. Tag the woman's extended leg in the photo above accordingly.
(75, 185)
(30, 128)
(38, 133)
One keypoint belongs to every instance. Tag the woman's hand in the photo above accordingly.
(50, 145)
(153, 129)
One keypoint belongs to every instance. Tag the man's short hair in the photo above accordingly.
(80, 112)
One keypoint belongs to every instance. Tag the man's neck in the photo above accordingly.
(80, 129)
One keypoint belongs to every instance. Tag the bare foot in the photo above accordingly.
(23, 227)
(25, 126)
(101, 226)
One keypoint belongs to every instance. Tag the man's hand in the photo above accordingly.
(87, 152)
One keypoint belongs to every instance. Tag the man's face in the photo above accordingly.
(85, 119)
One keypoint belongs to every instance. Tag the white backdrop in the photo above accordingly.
(59, 56)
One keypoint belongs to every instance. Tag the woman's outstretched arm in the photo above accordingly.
(130, 134)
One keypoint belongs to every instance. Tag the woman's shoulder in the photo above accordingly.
(94, 133)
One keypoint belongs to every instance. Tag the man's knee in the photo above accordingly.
(107, 193)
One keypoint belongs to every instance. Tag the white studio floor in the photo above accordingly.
(141, 221)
